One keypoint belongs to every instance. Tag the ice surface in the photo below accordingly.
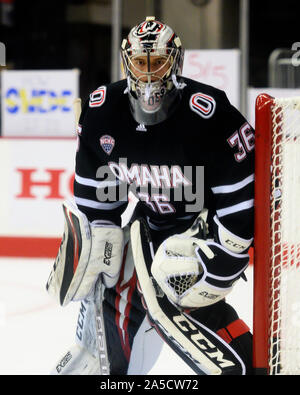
(35, 332)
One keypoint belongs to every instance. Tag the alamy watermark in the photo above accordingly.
(296, 55)
(157, 186)
(2, 54)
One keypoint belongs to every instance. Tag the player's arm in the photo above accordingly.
(194, 271)
(97, 192)
(231, 181)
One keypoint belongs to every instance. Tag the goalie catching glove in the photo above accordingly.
(194, 273)
(86, 251)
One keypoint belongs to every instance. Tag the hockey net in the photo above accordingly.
(276, 318)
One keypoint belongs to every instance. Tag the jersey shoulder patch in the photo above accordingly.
(203, 104)
(97, 98)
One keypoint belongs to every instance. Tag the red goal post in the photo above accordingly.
(276, 305)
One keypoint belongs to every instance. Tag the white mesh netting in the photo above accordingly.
(284, 331)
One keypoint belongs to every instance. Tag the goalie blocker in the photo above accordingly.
(87, 251)
(204, 350)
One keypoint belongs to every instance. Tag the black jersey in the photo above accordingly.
(201, 156)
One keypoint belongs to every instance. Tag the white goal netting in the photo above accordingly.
(284, 330)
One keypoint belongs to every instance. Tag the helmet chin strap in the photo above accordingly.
(128, 85)
(178, 85)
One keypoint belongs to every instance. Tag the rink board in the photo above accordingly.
(37, 176)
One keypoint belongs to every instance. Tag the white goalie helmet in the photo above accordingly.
(152, 58)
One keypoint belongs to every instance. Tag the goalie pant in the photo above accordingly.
(127, 328)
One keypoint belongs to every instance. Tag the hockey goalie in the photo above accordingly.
(160, 282)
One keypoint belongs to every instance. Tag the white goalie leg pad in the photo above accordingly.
(86, 251)
(85, 330)
(151, 355)
(76, 361)
(83, 357)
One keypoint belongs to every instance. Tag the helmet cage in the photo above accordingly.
(169, 55)
(149, 87)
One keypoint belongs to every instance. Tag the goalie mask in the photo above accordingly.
(152, 57)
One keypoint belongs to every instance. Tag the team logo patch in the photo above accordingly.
(107, 143)
(203, 105)
(148, 27)
(97, 98)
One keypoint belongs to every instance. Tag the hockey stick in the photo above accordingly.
(100, 329)
(202, 349)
